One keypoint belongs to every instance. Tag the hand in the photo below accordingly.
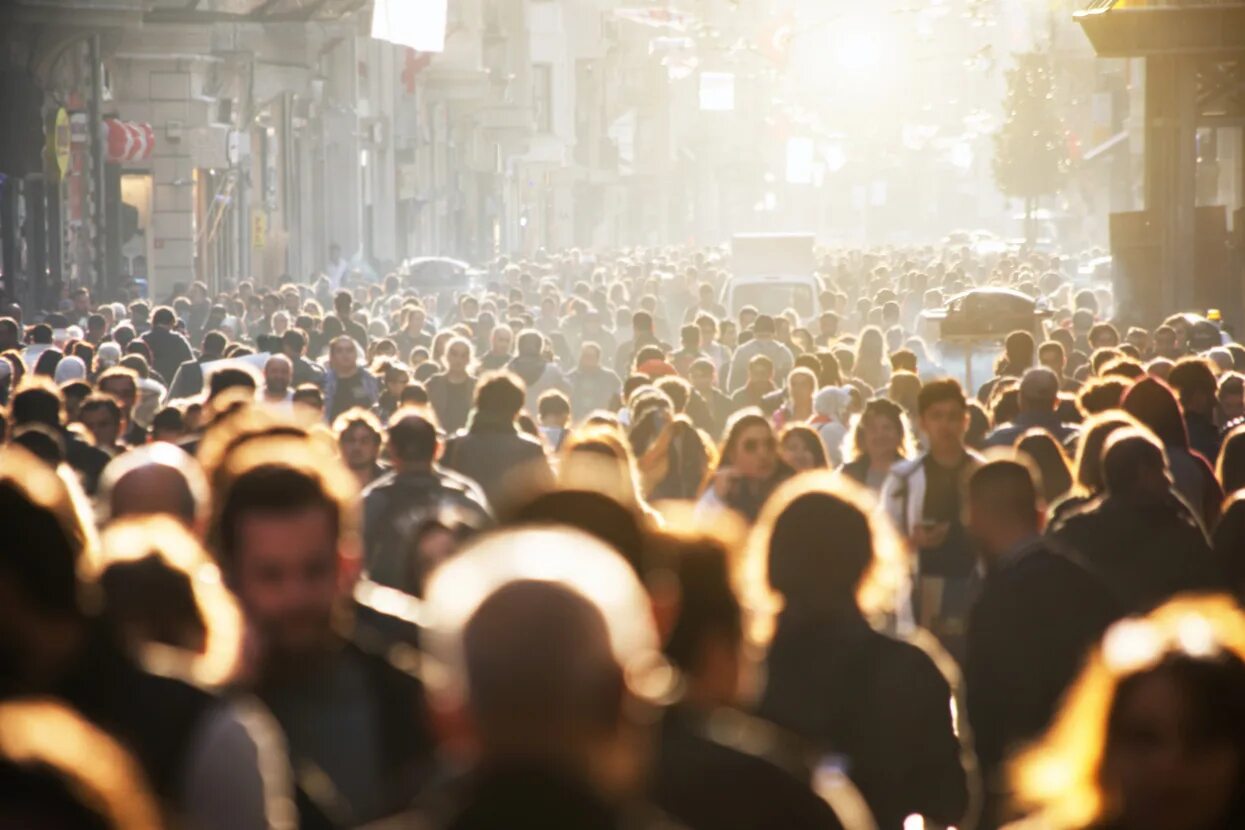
(927, 536)
(724, 481)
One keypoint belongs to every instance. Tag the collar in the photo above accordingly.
(1018, 551)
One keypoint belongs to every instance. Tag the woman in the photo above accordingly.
(673, 456)
(879, 704)
(1089, 483)
(1152, 402)
(833, 404)
(597, 457)
(1152, 735)
(799, 409)
(880, 439)
(749, 468)
(1231, 467)
(800, 447)
(870, 366)
(1051, 460)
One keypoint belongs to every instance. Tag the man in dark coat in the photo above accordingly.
(169, 349)
(1038, 613)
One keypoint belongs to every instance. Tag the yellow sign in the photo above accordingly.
(61, 140)
(259, 230)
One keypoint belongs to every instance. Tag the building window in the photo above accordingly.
(542, 96)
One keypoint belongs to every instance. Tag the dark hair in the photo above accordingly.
(1231, 463)
(44, 565)
(1100, 395)
(412, 437)
(553, 402)
(940, 391)
(596, 514)
(37, 402)
(214, 342)
(271, 489)
(413, 393)
(1006, 486)
(807, 436)
(677, 389)
(708, 606)
(1192, 375)
(1127, 458)
(1051, 461)
(500, 394)
(309, 394)
(107, 403)
(169, 418)
(163, 316)
(1152, 402)
(802, 567)
(230, 377)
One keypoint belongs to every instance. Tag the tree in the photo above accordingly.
(1030, 153)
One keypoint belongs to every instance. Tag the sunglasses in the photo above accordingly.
(755, 444)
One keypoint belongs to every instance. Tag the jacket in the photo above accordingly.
(490, 453)
(370, 391)
(591, 390)
(775, 351)
(438, 387)
(539, 375)
(1007, 435)
(169, 350)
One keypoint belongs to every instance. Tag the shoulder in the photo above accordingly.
(905, 470)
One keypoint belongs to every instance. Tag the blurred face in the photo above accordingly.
(359, 447)
(102, 425)
(415, 322)
(1052, 360)
(945, 424)
(503, 339)
(796, 453)
(287, 578)
(457, 357)
(123, 389)
(1233, 403)
(277, 376)
(882, 438)
(590, 358)
(1165, 343)
(343, 357)
(1165, 777)
(756, 452)
(802, 389)
(702, 379)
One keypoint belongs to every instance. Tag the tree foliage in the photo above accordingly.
(1030, 151)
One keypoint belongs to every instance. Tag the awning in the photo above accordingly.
(128, 140)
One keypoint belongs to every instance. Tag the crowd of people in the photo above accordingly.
(571, 545)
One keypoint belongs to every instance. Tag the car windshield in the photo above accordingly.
(773, 297)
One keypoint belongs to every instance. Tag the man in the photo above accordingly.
(156, 479)
(278, 376)
(355, 726)
(760, 383)
(412, 334)
(451, 391)
(122, 384)
(493, 452)
(399, 503)
(702, 375)
(591, 385)
(762, 343)
(1195, 383)
(10, 334)
(689, 350)
(641, 335)
(1231, 395)
(294, 346)
(169, 349)
(1143, 540)
(1017, 358)
(192, 748)
(546, 672)
(343, 304)
(706, 304)
(359, 438)
(1037, 615)
(717, 352)
(501, 342)
(1039, 404)
(594, 331)
(41, 403)
(188, 380)
(101, 415)
(1052, 355)
(347, 384)
(539, 374)
(553, 417)
(922, 497)
(40, 341)
(80, 300)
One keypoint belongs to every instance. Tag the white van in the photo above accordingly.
(773, 272)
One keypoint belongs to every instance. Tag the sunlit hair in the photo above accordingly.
(160, 454)
(1230, 468)
(1061, 775)
(457, 341)
(1088, 480)
(735, 427)
(854, 445)
(358, 416)
(242, 422)
(598, 457)
(49, 740)
(808, 436)
(883, 577)
(134, 552)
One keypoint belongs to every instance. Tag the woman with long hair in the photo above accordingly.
(1230, 469)
(1089, 482)
(879, 704)
(1051, 461)
(870, 366)
(1152, 734)
(1153, 402)
(881, 437)
(800, 447)
(749, 467)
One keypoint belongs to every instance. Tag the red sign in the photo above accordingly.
(129, 140)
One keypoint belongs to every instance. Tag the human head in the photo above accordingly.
(801, 384)
(278, 374)
(101, 415)
(760, 370)
(155, 479)
(359, 437)
(163, 317)
(343, 355)
(501, 340)
(1051, 354)
(458, 354)
(530, 343)
(1134, 464)
(500, 396)
(1004, 505)
(800, 447)
(943, 413)
(1194, 381)
(122, 384)
(750, 448)
(1154, 404)
(881, 432)
(1039, 390)
(412, 440)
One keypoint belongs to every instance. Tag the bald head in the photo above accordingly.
(541, 675)
(157, 479)
(278, 374)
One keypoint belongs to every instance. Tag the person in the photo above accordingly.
(1041, 448)
(759, 384)
(1231, 396)
(870, 366)
(762, 344)
(1154, 404)
(294, 346)
(38, 402)
(717, 766)
(1018, 351)
(492, 451)
(642, 335)
(1089, 484)
(343, 304)
(1037, 614)
(415, 492)
(501, 342)
(123, 384)
(1230, 471)
(169, 349)
(284, 534)
(190, 746)
(552, 661)
(346, 383)
(801, 386)
(1039, 402)
(923, 499)
(538, 374)
(880, 440)
(450, 392)
(359, 438)
(278, 375)
(832, 404)
(879, 704)
(187, 381)
(101, 415)
(591, 385)
(748, 470)
(1152, 734)
(553, 414)
(800, 447)
(1198, 391)
(155, 479)
(1143, 540)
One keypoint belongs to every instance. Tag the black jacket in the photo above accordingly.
(489, 453)
(718, 771)
(1146, 552)
(169, 350)
(1038, 614)
(880, 703)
